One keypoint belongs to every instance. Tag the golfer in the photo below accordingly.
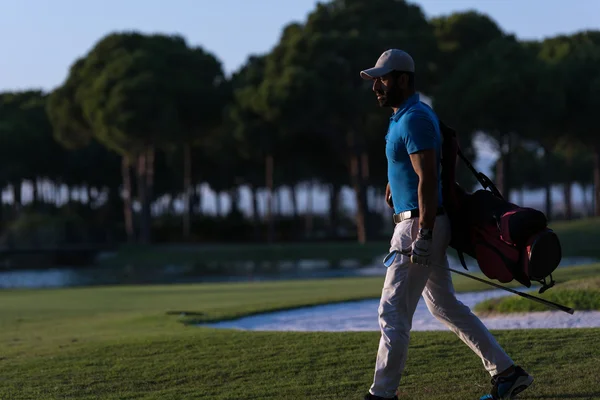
(413, 150)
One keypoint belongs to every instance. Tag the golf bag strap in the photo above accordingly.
(481, 177)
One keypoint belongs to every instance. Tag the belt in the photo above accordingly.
(414, 213)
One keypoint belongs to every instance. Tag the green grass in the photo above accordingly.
(560, 275)
(129, 342)
(159, 255)
(579, 238)
(578, 294)
(209, 364)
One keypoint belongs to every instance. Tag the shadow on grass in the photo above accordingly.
(186, 313)
(201, 318)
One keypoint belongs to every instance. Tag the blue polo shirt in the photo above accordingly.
(412, 128)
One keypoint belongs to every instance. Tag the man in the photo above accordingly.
(413, 151)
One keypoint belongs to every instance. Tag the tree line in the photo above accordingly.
(143, 118)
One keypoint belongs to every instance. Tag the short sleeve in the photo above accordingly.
(420, 133)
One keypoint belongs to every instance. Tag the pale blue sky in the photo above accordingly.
(41, 38)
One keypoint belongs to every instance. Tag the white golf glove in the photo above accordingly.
(420, 249)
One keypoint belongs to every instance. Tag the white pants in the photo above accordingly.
(405, 282)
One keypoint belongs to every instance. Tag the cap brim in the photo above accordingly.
(374, 72)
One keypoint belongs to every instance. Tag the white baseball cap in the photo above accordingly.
(390, 60)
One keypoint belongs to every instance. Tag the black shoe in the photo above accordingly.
(369, 396)
(507, 387)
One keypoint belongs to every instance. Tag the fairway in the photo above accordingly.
(130, 342)
(207, 364)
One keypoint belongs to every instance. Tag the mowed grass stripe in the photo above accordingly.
(211, 364)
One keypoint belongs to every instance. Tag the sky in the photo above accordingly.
(42, 38)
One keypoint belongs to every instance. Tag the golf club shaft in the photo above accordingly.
(527, 296)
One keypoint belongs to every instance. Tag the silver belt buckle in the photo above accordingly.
(403, 216)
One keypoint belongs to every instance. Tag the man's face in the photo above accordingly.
(388, 90)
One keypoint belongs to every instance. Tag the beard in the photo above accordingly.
(390, 97)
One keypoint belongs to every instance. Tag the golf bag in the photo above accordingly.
(509, 242)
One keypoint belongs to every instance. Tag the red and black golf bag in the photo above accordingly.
(509, 242)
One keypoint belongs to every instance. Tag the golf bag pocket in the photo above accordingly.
(518, 225)
(543, 254)
(496, 258)
(526, 229)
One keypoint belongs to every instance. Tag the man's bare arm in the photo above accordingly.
(425, 165)
(388, 196)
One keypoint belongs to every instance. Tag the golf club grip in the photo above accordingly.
(525, 295)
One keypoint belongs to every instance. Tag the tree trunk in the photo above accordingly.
(294, 201)
(72, 194)
(567, 188)
(51, 192)
(356, 176)
(596, 185)
(361, 230)
(47, 192)
(147, 211)
(500, 174)
(171, 205)
(42, 193)
(590, 201)
(585, 205)
(548, 183)
(280, 204)
(548, 198)
(269, 184)
(308, 227)
(594, 201)
(296, 225)
(35, 193)
(89, 195)
(218, 203)
(364, 164)
(187, 188)
(199, 199)
(234, 194)
(364, 158)
(255, 213)
(276, 208)
(55, 192)
(17, 196)
(127, 199)
(507, 165)
(110, 211)
(567, 198)
(503, 166)
(334, 199)
(142, 182)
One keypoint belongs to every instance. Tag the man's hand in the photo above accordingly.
(388, 197)
(420, 250)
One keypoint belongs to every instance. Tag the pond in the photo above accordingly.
(210, 272)
(192, 273)
(362, 316)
